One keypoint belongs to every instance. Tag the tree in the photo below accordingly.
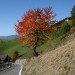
(63, 30)
(34, 23)
(73, 16)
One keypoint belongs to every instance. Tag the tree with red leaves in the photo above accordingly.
(34, 23)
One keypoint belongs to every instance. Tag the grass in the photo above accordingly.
(50, 44)
(7, 47)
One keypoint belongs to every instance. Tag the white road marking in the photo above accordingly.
(21, 70)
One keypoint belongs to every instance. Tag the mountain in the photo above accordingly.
(9, 37)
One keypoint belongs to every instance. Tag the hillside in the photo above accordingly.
(60, 61)
(9, 37)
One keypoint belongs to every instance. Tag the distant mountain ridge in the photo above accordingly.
(9, 37)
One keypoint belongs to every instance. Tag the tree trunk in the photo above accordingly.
(35, 45)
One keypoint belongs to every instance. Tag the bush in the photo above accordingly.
(73, 16)
(15, 56)
(63, 30)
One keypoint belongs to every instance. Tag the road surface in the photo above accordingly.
(14, 70)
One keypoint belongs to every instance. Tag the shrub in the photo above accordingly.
(73, 16)
(15, 56)
(63, 30)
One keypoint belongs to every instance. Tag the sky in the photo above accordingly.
(13, 10)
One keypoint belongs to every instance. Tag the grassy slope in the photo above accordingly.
(60, 61)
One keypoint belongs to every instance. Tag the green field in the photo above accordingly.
(9, 46)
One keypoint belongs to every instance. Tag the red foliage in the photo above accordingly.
(34, 20)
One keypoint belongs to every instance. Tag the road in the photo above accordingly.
(14, 70)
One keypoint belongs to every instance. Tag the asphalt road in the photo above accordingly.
(14, 70)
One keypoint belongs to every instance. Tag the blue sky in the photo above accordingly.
(13, 10)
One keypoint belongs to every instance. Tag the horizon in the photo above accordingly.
(11, 11)
(8, 35)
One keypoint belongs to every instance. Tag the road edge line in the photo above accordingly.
(21, 70)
